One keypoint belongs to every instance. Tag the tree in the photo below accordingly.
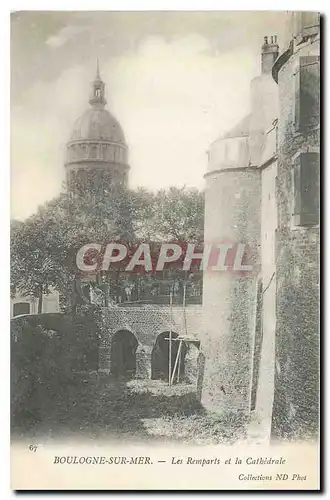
(179, 215)
(44, 246)
(34, 256)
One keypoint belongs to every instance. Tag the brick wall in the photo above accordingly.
(146, 323)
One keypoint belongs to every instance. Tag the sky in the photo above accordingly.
(176, 81)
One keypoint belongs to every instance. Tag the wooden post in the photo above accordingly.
(179, 366)
(184, 308)
(40, 299)
(178, 356)
(170, 346)
(185, 325)
(184, 295)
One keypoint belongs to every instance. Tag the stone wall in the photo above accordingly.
(264, 362)
(232, 214)
(296, 398)
(146, 323)
(233, 208)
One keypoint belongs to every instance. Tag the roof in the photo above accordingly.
(99, 124)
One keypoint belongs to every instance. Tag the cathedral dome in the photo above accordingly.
(97, 124)
(96, 153)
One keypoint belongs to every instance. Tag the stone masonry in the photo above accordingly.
(146, 323)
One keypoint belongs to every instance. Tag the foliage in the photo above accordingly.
(178, 215)
(46, 350)
(44, 246)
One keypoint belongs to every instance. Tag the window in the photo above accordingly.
(307, 93)
(84, 150)
(104, 150)
(124, 156)
(21, 308)
(306, 24)
(111, 154)
(306, 189)
(93, 152)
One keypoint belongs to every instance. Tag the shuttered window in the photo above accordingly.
(306, 24)
(307, 93)
(306, 189)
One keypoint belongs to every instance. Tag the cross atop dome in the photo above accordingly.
(98, 90)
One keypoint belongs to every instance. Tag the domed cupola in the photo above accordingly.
(97, 154)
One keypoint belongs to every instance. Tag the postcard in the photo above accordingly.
(165, 237)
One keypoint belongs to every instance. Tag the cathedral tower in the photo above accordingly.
(97, 154)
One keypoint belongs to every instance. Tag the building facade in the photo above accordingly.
(262, 188)
(142, 332)
(297, 72)
(233, 213)
(29, 305)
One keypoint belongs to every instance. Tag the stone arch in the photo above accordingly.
(123, 354)
(160, 356)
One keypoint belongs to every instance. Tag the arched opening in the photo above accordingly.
(93, 152)
(160, 357)
(123, 354)
(21, 308)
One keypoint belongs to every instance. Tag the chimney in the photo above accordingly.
(269, 52)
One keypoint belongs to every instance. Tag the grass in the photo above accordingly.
(99, 406)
